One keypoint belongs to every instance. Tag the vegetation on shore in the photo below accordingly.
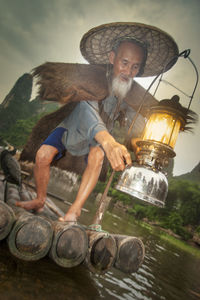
(180, 216)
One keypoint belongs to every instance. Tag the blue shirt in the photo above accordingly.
(77, 132)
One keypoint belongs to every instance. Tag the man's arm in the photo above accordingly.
(116, 153)
(92, 123)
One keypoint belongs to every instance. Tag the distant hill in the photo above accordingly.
(14, 106)
(17, 104)
(18, 114)
(194, 175)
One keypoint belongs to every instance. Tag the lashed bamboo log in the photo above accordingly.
(7, 216)
(2, 188)
(70, 244)
(13, 194)
(101, 252)
(7, 219)
(53, 195)
(130, 253)
(31, 237)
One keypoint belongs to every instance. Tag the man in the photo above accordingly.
(85, 132)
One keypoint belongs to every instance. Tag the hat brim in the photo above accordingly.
(162, 50)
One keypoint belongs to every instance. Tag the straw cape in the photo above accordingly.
(69, 83)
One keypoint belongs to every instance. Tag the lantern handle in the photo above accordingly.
(185, 54)
(197, 80)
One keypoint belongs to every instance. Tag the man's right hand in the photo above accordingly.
(116, 153)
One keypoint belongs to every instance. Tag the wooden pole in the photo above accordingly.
(104, 201)
(102, 246)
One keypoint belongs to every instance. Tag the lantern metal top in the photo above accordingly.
(172, 107)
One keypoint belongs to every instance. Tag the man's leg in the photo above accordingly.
(43, 160)
(88, 182)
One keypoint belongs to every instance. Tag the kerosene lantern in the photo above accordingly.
(146, 178)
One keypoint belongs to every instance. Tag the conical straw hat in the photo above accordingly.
(161, 47)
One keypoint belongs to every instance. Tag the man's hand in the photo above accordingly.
(116, 153)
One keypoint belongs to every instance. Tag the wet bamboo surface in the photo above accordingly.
(130, 253)
(70, 244)
(101, 252)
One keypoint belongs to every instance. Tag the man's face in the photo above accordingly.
(126, 65)
(127, 61)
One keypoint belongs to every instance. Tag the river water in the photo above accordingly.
(167, 272)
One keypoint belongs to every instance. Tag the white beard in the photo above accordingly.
(120, 88)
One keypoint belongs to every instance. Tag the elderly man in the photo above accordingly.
(87, 130)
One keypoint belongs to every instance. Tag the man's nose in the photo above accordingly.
(128, 71)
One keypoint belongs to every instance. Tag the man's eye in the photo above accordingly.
(125, 62)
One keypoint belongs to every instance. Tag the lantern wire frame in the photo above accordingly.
(184, 54)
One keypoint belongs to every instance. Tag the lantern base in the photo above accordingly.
(145, 184)
(154, 154)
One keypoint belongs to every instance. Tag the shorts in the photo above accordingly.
(55, 140)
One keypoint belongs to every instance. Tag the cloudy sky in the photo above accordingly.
(33, 32)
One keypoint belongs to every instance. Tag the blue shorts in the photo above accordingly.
(55, 140)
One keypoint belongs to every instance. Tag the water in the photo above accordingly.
(167, 273)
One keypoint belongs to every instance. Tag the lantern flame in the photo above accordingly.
(163, 128)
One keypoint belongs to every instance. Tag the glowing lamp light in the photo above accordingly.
(163, 128)
(145, 179)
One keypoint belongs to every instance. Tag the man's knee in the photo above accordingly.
(96, 156)
(45, 154)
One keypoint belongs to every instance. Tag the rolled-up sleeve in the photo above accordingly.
(91, 122)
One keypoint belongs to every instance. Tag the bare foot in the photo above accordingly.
(35, 204)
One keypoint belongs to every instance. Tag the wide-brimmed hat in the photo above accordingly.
(162, 50)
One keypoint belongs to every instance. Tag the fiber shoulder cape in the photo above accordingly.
(68, 84)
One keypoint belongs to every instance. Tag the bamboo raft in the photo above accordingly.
(31, 236)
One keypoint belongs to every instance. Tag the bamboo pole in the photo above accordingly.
(101, 252)
(70, 244)
(7, 219)
(31, 237)
(130, 253)
(54, 196)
